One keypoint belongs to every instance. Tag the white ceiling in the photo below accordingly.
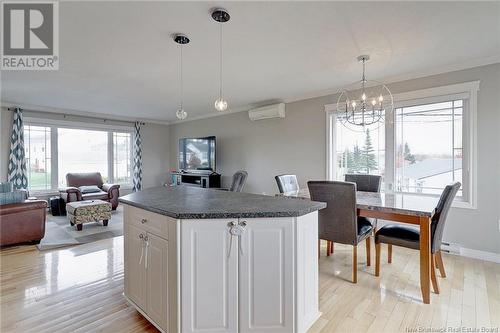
(117, 58)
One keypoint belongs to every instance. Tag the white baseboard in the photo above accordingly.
(458, 250)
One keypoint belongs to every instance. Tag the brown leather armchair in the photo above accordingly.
(22, 222)
(108, 192)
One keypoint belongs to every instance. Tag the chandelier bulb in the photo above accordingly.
(381, 98)
(374, 102)
(353, 104)
(363, 97)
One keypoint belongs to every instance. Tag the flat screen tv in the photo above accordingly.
(197, 154)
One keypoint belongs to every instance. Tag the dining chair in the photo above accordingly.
(239, 180)
(365, 183)
(409, 237)
(338, 222)
(287, 183)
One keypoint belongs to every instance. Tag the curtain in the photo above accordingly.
(137, 158)
(17, 173)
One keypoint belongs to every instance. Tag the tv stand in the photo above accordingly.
(205, 180)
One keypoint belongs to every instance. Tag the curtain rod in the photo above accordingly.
(78, 116)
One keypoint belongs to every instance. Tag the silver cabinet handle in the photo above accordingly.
(141, 237)
(236, 229)
(143, 221)
(146, 239)
(230, 225)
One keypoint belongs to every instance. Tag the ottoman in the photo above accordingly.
(80, 212)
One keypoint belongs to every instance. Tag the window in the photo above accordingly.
(429, 147)
(38, 156)
(426, 143)
(82, 151)
(359, 150)
(55, 150)
(122, 157)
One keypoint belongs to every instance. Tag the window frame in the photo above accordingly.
(466, 91)
(55, 124)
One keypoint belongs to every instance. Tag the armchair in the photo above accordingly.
(107, 192)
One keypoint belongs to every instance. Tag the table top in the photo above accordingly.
(396, 203)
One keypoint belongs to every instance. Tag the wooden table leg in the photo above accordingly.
(425, 259)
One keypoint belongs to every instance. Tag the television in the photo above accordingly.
(197, 154)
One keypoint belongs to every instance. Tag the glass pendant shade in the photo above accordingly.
(181, 114)
(220, 104)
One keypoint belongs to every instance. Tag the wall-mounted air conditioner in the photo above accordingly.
(268, 111)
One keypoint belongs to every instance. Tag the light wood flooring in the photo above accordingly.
(79, 289)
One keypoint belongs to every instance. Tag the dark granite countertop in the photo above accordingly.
(186, 202)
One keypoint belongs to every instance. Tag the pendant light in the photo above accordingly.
(220, 15)
(365, 102)
(182, 40)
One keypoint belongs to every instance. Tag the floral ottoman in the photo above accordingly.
(80, 212)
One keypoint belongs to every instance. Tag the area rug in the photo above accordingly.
(59, 233)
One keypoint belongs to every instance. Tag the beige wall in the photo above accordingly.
(296, 145)
(155, 147)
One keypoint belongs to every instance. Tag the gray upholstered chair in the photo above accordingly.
(364, 182)
(287, 183)
(409, 237)
(338, 222)
(239, 180)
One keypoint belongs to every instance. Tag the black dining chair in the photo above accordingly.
(239, 180)
(287, 183)
(338, 222)
(409, 237)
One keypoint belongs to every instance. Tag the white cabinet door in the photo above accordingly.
(266, 276)
(157, 281)
(135, 272)
(209, 277)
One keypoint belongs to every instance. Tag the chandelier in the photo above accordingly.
(373, 102)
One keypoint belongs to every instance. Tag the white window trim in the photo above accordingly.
(54, 124)
(466, 90)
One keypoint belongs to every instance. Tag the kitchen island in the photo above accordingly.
(200, 260)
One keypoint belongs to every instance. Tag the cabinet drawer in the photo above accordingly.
(151, 222)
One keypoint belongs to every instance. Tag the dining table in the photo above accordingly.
(414, 209)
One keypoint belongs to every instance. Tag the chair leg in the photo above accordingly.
(355, 264)
(439, 264)
(377, 259)
(435, 283)
(327, 248)
(368, 251)
(331, 247)
(389, 253)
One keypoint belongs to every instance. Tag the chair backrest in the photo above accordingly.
(84, 179)
(338, 221)
(287, 183)
(239, 180)
(365, 183)
(441, 213)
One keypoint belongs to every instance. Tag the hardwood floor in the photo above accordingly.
(79, 289)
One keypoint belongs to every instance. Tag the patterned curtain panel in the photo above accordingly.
(17, 173)
(137, 158)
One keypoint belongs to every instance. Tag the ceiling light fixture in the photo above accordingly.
(375, 100)
(220, 15)
(182, 40)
